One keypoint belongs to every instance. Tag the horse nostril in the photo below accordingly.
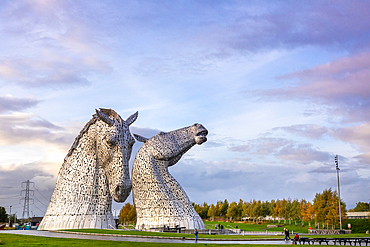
(118, 190)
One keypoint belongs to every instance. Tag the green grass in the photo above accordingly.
(250, 226)
(22, 240)
(205, 236)
(169, 234)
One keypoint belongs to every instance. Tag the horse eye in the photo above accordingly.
(111, 142)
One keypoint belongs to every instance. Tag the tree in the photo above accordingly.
(325, 206)
(306, 210)
(272, 206)
(288, 209)
(232, 211)
(279, 209)
(212, 212)
(245, 209)
(131, 215)
(127, 214)
(202, 210)
(361, 207)
(296, 210)
(224, 207)
(3, 215)
(256, 210)
(240, 209)
(218, 208)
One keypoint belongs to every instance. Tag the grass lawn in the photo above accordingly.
(22, 240)
(249, 226)
(168, 234)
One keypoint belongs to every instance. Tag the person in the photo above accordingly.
(285, 235)
(215, 226)
(196, 234)
(236, 226)
(222, 228)
(295, 239)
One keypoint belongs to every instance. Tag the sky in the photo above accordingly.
(281, 86)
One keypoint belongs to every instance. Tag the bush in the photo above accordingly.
(358, 225)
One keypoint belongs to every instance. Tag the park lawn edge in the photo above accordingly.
(171, 235)
(201, 236)
(9, 239)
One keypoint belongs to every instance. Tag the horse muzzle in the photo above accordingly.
(121, 192)
(200, 136)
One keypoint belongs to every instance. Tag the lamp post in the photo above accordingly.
(340, 209)
(10, 215)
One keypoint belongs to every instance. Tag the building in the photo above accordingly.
(358, 215)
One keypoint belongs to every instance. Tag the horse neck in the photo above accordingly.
(185, 140)
(81, 179)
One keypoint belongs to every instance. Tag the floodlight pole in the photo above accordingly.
(340, 208)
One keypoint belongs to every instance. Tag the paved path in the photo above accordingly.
(133, 239)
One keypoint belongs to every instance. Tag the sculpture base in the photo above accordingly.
(54, 222)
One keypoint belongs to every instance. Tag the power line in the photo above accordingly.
(40, 202)
(9, 197)
(42, 211)
(40, 193)
(14, 206)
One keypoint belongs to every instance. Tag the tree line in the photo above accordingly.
(323, 209)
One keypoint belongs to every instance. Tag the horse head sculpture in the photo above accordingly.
(95, 170)
(159, 199)
(114, 145)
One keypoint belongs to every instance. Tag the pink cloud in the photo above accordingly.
(347, 76)
(311, 131)
(358, 135)
(342, 84)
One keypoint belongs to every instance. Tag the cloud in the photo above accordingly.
(10, 103)
(261, 146)
(358, 135)
(364, 158)
(43, 187)
(311, 131)
(283, 149)
(62, 53)
(298, 23)
(143, 131)
(342, 85)
(303, 154)
(57, 71)
(18, 128)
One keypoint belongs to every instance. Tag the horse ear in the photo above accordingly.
(104, 118)
(140, 138)
(132, 118)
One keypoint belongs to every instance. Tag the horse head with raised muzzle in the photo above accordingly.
(159, 199)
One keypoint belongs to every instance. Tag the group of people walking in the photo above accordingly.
(286, 236)
(220, 227)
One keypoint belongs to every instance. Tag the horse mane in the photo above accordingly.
(108, 112)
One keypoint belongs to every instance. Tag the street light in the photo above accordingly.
(340, 210)
(10, 215)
